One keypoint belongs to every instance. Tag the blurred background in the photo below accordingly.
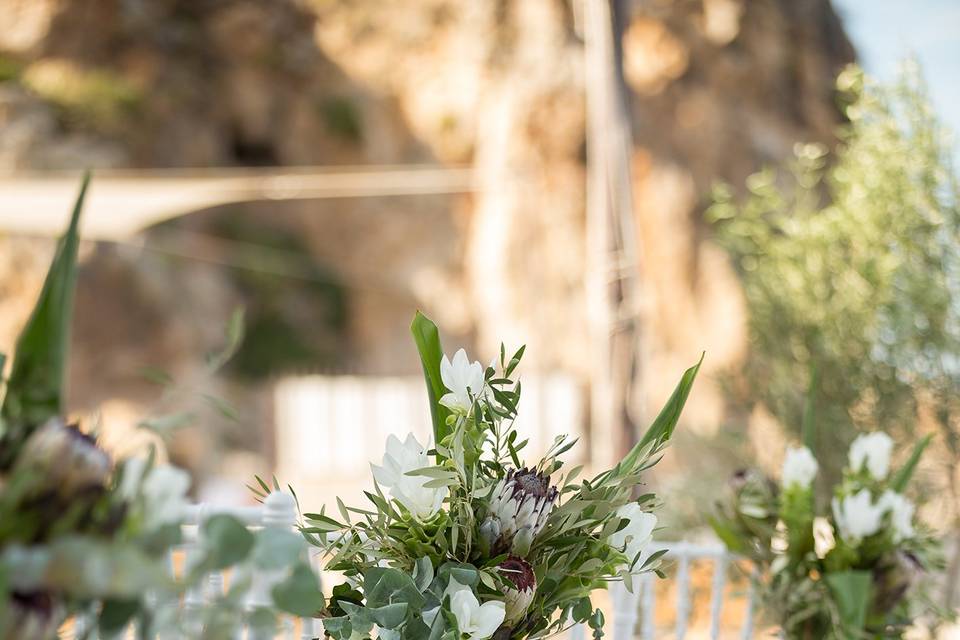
(539, 172)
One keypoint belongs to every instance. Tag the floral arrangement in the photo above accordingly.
(84, 536)
(853, 571)
(462, 538)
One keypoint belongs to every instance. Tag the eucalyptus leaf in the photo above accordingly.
(389, 616)
(300, 593)
(277, 548)
(226, 541)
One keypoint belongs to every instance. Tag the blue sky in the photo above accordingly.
(885, 31)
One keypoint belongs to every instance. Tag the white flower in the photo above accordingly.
(799, 468)
(901, 514)
(872, 449)
(164, 490)
(399, 459)
(634, 538)
(823, 538)
(462, 378)
(475, 620)
(857, 516)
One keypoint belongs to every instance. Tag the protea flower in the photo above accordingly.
(519, 506)
(69, 461)
(33, 616)
(520, 574)
(893, 577)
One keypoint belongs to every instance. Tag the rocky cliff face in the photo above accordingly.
(716, 88)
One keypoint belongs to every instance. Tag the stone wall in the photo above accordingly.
(716, 88)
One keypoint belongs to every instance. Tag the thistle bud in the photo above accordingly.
(519, 573)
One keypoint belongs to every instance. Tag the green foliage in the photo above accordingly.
(817, 578)
(853, 298)
(851, 590)
(300, 593)
(402, 564)
(226, 541)
(35, 387)
(427, 337)
(81, 534)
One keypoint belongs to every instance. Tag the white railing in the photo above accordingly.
(639, 607)
(277, 511)
(633, 613)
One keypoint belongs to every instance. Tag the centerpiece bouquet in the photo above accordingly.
(853, 571)
(86, 538)
(463, 538)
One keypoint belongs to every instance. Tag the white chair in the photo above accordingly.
(639, 606)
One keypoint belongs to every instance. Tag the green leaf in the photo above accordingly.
(662, 428)
(902, 477)
(226, 540)
(234, 338)
(423, 573)
(851, 591)
(384, 586)
(427, 337)
(389, 616)
(116, 614)
(166, 425)
(35, 388)
(300, 593)
(277, 548)
(338, 628)
(728, 536)
(582, 610)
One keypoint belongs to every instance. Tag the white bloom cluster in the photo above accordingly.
(873, 451)
(799, 468)
(399, 459)
(858, 516)
(634, 539)
(164, 489)
(462, 379)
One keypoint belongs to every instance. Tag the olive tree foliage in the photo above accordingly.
(851, 269)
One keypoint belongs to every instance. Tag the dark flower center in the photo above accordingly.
(519, 572)
(531, 483)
